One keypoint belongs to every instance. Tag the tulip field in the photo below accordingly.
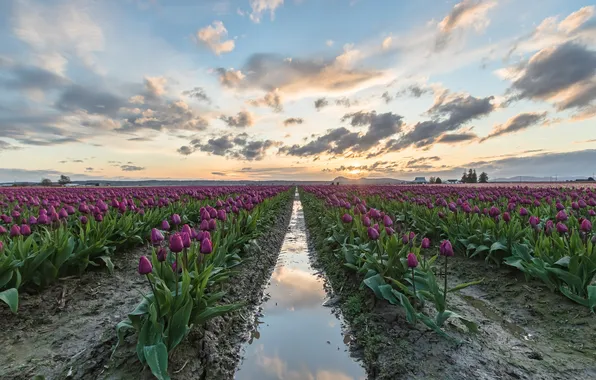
(405, 245)
(194, 237)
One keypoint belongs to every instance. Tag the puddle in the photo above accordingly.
(512, 328)
(294, 335)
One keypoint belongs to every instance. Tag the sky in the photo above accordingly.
(296, 89)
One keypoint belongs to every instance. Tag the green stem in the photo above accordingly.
(445, 288)
(155, 297)
(414, 286)
(176, 276)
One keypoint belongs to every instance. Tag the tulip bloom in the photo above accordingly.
(145, 266)
(562, 216)
(162, 254)
(446, 249)
(412, 260)
(387, 221)
(506, 217)
(523, 212)
(347, 218)
(165, 225)
(15, 230)
(373, 234)
(176, 244)
(425, 243)
(586, 226)
(561, 228)
(185, 239)
(206, 246)
(176, 220)
(156, 237)
(26, 230)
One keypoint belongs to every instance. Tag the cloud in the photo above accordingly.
(221, 174)
(517, 123)
(387, 43)
(131, 168)
(321, 103)
(269, 72)
(7, 146)
(26, 78)
(346, 102)
(162, 115)
(57, 33)
(198, 93)
(564, 74)
(386, 97)
(239, 147)
(155, 87)
(576, 19)
(329, 43)
(415, 91)
(421, 162)
(454, 138)
(89, 169)
(271, 99)
(261, 6)
(214, 37)
(465, 14)
(94, 102)
(293, 120)
(449, 113)
(242, 120)
(341, 140)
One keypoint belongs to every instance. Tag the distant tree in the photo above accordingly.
(474, 177)
(438, 181)
(590, 178)
(64, 179)
(464, 178)
(483, 177)
(46, 182)
(431, 180)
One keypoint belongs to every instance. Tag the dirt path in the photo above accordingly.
(68, 323)
(526, 332)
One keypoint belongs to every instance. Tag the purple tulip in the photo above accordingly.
(3, 230)
(425, 243)
(156, 236)
(145, 266)
(366, 221)
(1, 246)
(206, 246)
(446, 249)
(98, 217)
(373, 234)
(586, 226)
(32, 220)
(561, 228)
(389, 231)
(562, 216)
(347, 218)
(221, 215)
(26, 230)
(523, 212)
(15, 230)
(165, 225)
(387, 221)
(534, 221)
(204, 226)
(176, 220)
(62, 214)
(176, 244)
(575, 205)
(405, 238)
(162, 254)
(212, 224)
(506, 217)
(185, 239)
(592, 213)
(412, 260)
(549, 226)
(186, 228)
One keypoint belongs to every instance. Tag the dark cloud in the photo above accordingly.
(131, 168)
(293, 120)
(321, 103)
(242, 120)
(341, 140)
(92, 101)
(198, 93)
(386, 97)
(271, 99)
(163, 115)
(21, 77)
(139, 139)
(421, 162)
(238, 147)
(270, 71)
(415, 91)
(449, 113)
(566, 69)
(517, 123)
(221, 174)
(7, 146)
(47, 141)
(346, 102)
(454, 138)
(247, 169)
(89, 169)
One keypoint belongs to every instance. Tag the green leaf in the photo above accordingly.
(11, 298)
(120, 330)
(178, 327)
(108, 262)
(592, 297)
(498, 246)
(215, 311)
(157, 358)
(373, 283)
(465, 285)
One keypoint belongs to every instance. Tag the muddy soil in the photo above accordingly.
(68, 330)
(68, 323)
(526, 332)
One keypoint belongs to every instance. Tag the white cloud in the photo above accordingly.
(214, 37)
(387, 42)
(329, 43)
(261, 6)
(576, 19)
(55, 32)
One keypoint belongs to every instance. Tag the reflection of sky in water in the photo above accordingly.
(295, 329)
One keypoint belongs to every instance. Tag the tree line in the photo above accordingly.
(471, 177)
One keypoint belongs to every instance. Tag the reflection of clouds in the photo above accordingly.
(296, 288)
(274, 366)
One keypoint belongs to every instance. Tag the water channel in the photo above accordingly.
(295, 336)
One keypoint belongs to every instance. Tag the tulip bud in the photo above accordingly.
(25, 230)
(2, 245)
(221, 215)
(176, 244)
(32, 220)
(446, 249)
(212, 224)
(562, 216)
(204, 226)
(389, 231)
(185, 239)
(3, 230)
(586, 226)
(347, 218)
(186, 228)
(206, 246)
(412, 260)
(162, 254)
(425, 243)
(373, 234)
(534, 221)
(387, 221)
(156, 236)
(165, 225)
(176, 220)
(145, 266)
(523, 212)
(98, 217)
(15, 230)
(561, 228)
(405, 239)
(366, 221)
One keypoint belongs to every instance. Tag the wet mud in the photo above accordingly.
(526, 332)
